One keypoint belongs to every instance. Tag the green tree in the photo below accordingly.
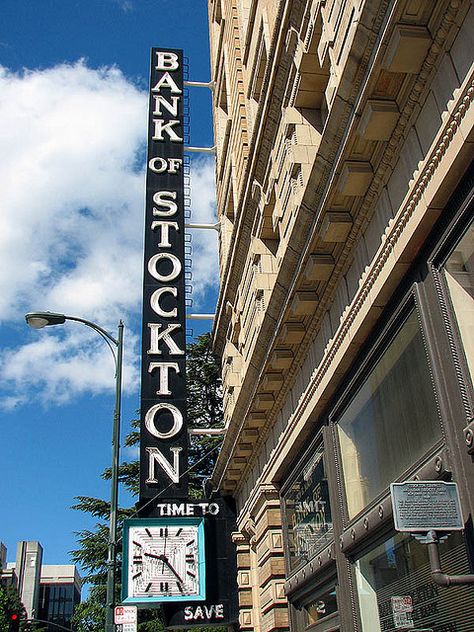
(204, 409)
(10, 603)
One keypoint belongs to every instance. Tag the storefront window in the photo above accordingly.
(391, 422)
(323, 608)
(307, 509)
(318, 613)
(396, 590)
(459, 274)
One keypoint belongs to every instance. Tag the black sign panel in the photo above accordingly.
(163, 437)
(220, 607)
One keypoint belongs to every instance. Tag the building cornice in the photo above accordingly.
(241, 235)
(337, 123)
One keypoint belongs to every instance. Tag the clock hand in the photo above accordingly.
(164, 550)
(166, 561)
(168, 564)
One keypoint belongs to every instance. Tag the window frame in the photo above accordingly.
(372, 352)
(318, 440)
(455, 231)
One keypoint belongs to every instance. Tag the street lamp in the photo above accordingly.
(38, 320)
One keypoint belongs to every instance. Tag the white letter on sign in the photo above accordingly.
(157, 457)
(166, 61)
(166, 81)
(161, 126)
(155, 302)
(163, 368)
(161, 198)
(166, 278)
(165, 232)
(171, 107)
(150, 421)
(156, 336)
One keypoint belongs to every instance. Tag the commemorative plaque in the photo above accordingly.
(422, 506)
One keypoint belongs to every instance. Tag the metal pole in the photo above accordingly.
(200, 316)
(201, 150)
(440, 578)
(50, 318)
(112, 548)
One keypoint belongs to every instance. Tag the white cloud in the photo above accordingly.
(71, 224)
(125, 5)
(204, 243)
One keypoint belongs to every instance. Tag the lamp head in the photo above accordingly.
(38, 320)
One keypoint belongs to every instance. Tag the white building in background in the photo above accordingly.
(49, 592)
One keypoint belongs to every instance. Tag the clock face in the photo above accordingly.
(165, 560)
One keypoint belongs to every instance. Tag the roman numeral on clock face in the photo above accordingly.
(164, 586)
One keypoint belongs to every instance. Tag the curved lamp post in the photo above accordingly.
(38, 320)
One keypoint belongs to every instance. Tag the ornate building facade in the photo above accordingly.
(344, 144)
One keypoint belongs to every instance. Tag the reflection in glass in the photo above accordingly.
(392, 420)
(459, 274)
(57, 602)
(307, 509)
(396, 590)
(322, 607)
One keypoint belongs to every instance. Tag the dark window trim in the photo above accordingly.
(459, 216)
(299, 464)
(454, 234)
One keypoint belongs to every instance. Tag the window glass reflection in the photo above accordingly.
(396, 590)
(57, 602)
(459, 274)
(308, 510)
(392, 420)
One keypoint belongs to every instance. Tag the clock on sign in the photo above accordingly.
(165, 560)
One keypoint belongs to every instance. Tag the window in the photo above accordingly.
(57, 602)
(318, 611)
(392, 420)
(307, 509)
(322, 608)
(459, 275)
(396, 590)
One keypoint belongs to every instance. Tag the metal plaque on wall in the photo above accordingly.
(420, 506)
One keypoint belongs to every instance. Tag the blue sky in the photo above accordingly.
(73, 82)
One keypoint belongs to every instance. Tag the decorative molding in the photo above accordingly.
(360, 223)
(424, 178)
(387, 248)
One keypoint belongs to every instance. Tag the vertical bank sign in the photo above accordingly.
(163, 438)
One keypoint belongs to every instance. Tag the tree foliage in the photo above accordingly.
(10, 603)
(204, 410)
